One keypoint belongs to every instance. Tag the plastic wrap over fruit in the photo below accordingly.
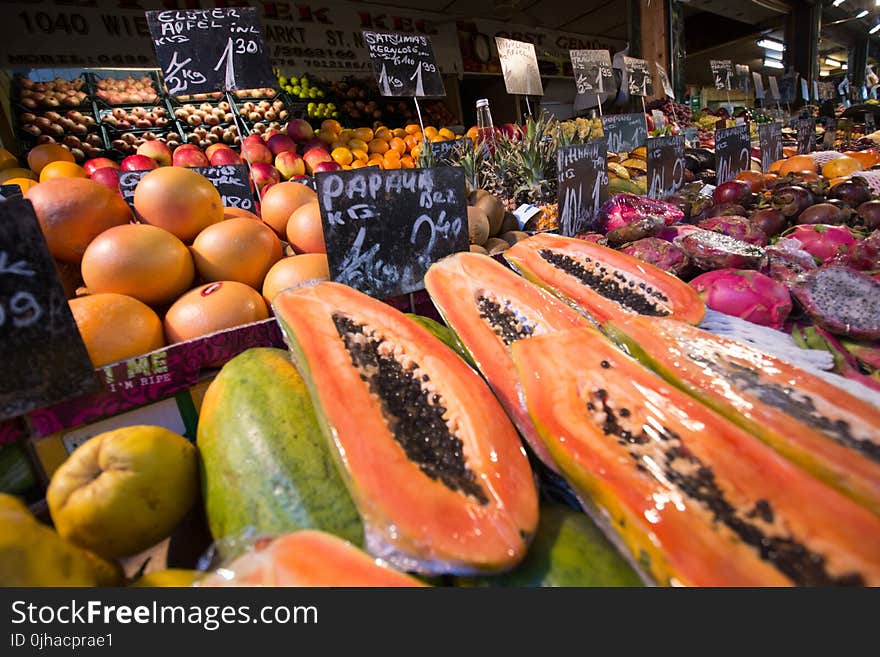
(306, 558)
(623, 209)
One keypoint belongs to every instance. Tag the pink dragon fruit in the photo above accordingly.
(678, 230)
(709, 250)
(842, 301)
(787, 261)
(660, 253)
(745, 294)
(864, 255)
(623, 209)
(737, 227)
(597, 238)
(822, 241)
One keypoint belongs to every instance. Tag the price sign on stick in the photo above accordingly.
(759, 85)
(666, 165)
(583, 185)
(445, 151)
(208, 50)
(732, 152)
(664, 81)
(774, 88)
(806, 135)
(520, 67)
(624, 132)
(743, 78)
(383, 229)
(9, 191)
(404, 64)
(231, 180)
(592, 71)
(640, 82)
(722, 73)
(44, 358)
(770, 140)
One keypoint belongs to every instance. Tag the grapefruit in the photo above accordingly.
(229, 213)
(304, 230)
(115, 327)
(238, 249)
(796, 164)
(841, 166)
(40, 156)
(281, 201)
(178, 199)
(74, 211)
(213, 307)
(62, 169)
(290, 272)
(142, 261)
(15, 172)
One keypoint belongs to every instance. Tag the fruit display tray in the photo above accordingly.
(145, 89)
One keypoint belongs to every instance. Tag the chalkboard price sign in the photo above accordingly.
(774, 88)
(624, 132)
(732, 152)
(639, 79)
(208, 50)
(743, 78)
(665, 84)
(806, 135)
(9, 191)
(383, 229)
(231, 180)
(722, 73)
(404, 64)
(759, 85)
(583, 185)
(666, 165)
(444, 151)
(592, 71)
(770, 140)
(520, 67)
(44, 358)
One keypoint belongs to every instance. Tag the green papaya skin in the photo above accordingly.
(266, 467)
(445, 335)
(568, 550)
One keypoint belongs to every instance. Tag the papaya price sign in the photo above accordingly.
(583, 185)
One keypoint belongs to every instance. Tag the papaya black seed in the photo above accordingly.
(615, 287)
(414, 414)
(624, 412)
(605, 364)
(504, 320)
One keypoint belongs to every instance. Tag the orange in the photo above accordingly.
(413, 140)
(179, 200)
(797, 163)
(115, 327)
(384, 133)
(437, 138)
(431, 132)
(407, 162)
(755, 179)
(867, 158)
(378, 146)
(62, 169)
(211, 308)
(74, 211)
(141, 261)
(775, 166)
(391, 160)
(416, 151)
(337, 144)
(346, 135)
(473, 133)
(290, 272)
(376, 161)
(412, 128)
(342, 155)
(304, 231)
(364, 134)
(238, 249)
(24, 183)
(360, 154)
(40, 156)
(331, 125)
(841, 166)
(358, 164)
(281, 201)
(400, 133)
(836, 181)
(7, 160)
(327, 136)
(446, 133)
(397, 144)
(15, 172)
(229, 213)
(357, 145)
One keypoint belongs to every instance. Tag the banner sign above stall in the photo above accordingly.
(404, 64)
(583, 185)
(624, 132)
(732, 152)
(640, 80)
(722, 73)
(592, 71)
(383, 229)
(206, 50)
(520, 67)
(666, 165)
(44, 358)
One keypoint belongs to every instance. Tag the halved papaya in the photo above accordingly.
(603, 282)
(489, 307)
(431, 460)
(306, 558)
(697, 499)
(823, 429)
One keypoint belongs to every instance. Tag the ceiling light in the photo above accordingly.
(777, 56)
(845, 67)
(833, 62)
(770, 44)
(862, 13)
(837, 3)
(875, 28)
(824, 74)
(772, 63)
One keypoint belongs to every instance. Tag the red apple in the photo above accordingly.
(315, 156)
(158, 150)
(264, 174)
(138, 163)
(290, 164)
(224, 156)
(189, 157)
(213, 148)
(321, 167)
(299, 130)
(314, 143)
(270, 133)
(109, 176)
(253, 153)
(98, 163)
(280, 143)
(253, 138)
(512, 131)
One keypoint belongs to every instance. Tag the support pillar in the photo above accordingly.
(802, 40)
(654, 35)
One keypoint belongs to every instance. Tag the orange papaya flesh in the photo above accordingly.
(431, 460)
(602, 282)
(818, 426)
(698, 500)
(307, 558)
(489, 307)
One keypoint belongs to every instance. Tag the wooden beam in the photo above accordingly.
(655, 35)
